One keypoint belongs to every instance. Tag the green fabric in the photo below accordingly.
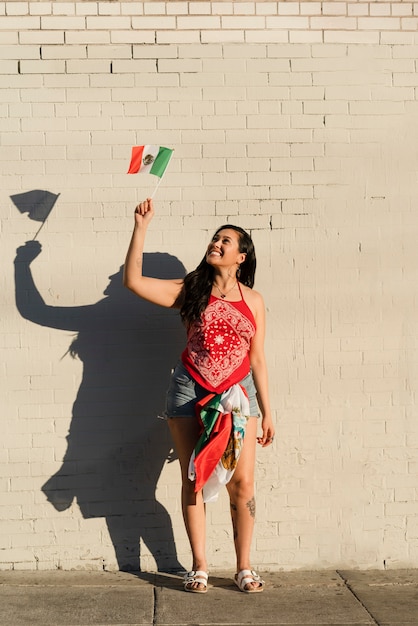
(161, 161)
(209, 415)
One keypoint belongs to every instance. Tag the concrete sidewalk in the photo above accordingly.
(354, 598)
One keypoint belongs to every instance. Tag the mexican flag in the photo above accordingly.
(150, 160)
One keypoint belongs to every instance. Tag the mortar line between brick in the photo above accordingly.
(351, 590)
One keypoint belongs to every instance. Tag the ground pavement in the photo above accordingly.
(354, 598)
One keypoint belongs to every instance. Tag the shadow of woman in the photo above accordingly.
(116, 446)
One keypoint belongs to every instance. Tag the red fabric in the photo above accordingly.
(208, 458)
(136, 159)
(217, 351)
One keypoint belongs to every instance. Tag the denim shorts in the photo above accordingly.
(183, 393)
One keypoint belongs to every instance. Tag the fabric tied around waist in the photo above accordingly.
(223, 418)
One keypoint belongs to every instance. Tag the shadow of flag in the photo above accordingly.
(37, 203)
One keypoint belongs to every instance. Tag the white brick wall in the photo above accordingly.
(296, 120)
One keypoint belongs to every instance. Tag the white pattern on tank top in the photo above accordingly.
(220, 342)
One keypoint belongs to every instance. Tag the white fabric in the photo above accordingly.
(151, 151)
(233, 401)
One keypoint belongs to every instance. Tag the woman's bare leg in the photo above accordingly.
(185, 433)
(242, 501)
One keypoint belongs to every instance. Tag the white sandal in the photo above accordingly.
(196, 576)
(246, 577)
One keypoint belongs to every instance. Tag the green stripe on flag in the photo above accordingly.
(161, 161)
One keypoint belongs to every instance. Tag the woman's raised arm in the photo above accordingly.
(159, 291)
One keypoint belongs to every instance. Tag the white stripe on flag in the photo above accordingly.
(148, 157)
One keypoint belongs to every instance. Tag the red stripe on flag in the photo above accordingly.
(136, 159)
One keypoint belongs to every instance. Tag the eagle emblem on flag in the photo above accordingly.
(148, 159)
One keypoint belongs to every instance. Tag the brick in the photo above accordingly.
(228, 36)
(155, 52)
(260, 36)
(188, 94)
(352, 37)
(20, 22)
(107, 8)
(177, 8)
(16, 8)
(157, 8)
(22, 52)
(192, 51)
(88, 95)
(9, 38)
(376, 23)
(52, 66)
(106, 23)
(65, 81)
(113, 80)
(106, 52)
(242, 79)
(400, 38)
(334, 23)
(288, 8)
(8, 67)
(180, 65)
(288, 23)
(41, 37)
(400, 508)
(86, 8)
(133, 37)
(165, 22)
(313, 8)
(63, 8)
(62, 23)
(402, 9)
(198, 22)
(409, 23)
(357, 9)
(63, 52)
(225, 8)
(405, 80)
(300, 78)
(381, 9)
(244, 8)
(268, 65)
(178, 37)
(266, 8)
(239, 51)
(88, 66)
(87, 37)
(303, 36)
(245, 23)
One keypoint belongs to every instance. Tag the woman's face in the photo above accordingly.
(223, 250)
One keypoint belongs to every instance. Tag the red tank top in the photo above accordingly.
(218, 345)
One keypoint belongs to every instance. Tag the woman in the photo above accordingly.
(225, 322)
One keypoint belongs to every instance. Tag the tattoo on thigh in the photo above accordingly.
(251, 506)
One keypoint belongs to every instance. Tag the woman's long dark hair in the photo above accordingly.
(198, 284)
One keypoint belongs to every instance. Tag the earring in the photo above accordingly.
(238, 274)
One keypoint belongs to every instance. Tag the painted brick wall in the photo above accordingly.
(296, 120)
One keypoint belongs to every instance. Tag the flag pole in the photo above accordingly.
(159, 182)
(39, 230)
(46, 217)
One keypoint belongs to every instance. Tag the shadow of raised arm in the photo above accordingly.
(29, 301)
